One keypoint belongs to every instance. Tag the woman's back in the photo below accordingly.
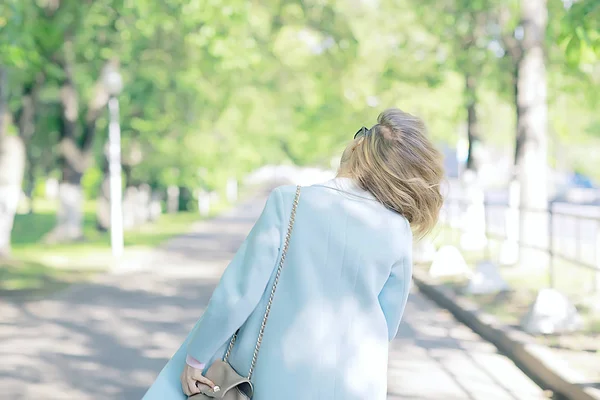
(344, 284)
(327, 327)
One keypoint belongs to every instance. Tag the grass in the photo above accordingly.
(525, 282)
(26, 280)
(37, 268)
(574, 280)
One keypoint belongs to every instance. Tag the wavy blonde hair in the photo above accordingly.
(397, 163)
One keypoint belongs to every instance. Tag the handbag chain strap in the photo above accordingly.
(286, 245)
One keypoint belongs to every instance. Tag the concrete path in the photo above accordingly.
(108, 339)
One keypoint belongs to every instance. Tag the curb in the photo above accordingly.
(530, 357)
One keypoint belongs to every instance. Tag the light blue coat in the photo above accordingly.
(340, 299)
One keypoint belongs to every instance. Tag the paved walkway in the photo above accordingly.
(108, 339)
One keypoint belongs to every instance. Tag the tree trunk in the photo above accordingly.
(13, 155)
(29, 180)
(70, 211)
(473, 163)
(3, 102)
(532, 123)
(76, 154)
(25, 117)
(509, 251)
(103, 201)
(69, 225)
(473, 237)
(12, 166)
(518, 113)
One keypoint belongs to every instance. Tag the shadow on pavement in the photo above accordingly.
(108, 339)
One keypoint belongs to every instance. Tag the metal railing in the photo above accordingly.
(566, 239)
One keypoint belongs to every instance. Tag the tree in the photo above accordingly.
(532, 126)
(215, 89)
(81, 101)
(581, 32)
(16, 52)
(524, 40)
(12, 164)
(462, 29)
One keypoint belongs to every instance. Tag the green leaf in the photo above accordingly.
(573, 50)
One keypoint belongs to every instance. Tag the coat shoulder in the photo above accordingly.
(285, 193)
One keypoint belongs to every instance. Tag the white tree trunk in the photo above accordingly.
(12, 167)
(474, 219)
(532, 134)
(232, 190)
(9, 199)
(203, 203)
(509, 252)
(596, 282)
(70, 213)
(172, 199)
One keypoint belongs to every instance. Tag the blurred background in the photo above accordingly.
(121, 121)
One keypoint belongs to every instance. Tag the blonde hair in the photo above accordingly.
(397, 163)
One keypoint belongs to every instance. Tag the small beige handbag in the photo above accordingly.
(229, 384)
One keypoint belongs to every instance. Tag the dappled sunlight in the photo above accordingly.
(362, 369)
(304, 329)
(132, 134)
(108, 339)
(108, 350)
(433, 331)
(432, 347)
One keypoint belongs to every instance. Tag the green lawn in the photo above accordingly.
(571, 279)
(37, 268)
(21, 279)
(510, 307)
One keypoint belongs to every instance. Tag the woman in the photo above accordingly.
(344, 284)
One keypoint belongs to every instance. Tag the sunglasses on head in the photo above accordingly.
(361, 132)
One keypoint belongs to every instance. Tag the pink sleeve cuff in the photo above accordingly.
(192, 362)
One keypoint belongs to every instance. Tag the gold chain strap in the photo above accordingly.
(286, 245)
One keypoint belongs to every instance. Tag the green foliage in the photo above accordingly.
(16, 34)
(580, 33)
(214, 89)
(91, 181)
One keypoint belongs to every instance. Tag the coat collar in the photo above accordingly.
(348, 185)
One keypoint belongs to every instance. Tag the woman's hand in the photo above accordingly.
(190, 379)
